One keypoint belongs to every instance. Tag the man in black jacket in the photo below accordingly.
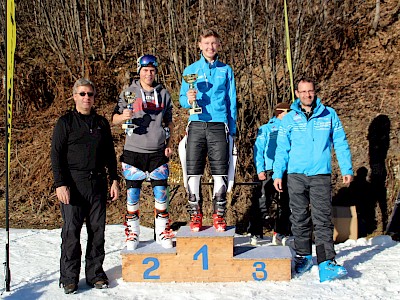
(82, 150)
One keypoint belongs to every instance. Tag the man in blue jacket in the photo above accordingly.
(305, 139)
(209, 128)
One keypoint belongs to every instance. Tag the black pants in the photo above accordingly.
(88, 201)
(207, 138)
(311, 207)
(144, 161)
(261, 203)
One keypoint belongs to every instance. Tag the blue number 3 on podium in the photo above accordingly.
(260, 268)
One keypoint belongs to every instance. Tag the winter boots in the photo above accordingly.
(132, 230)
(70, 288)
(302, 264)
(163, 233)
(219, 202)
(196, 216)
(279, 239)
(329, 270)
(254, 239)
(196, 221)
(219, 222)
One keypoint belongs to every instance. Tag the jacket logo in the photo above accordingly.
(297, 117)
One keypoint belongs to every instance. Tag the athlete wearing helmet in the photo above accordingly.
(147, 60)
(146, 150)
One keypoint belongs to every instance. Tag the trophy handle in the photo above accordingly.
(191, 86)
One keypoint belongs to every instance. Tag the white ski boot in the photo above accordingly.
(163, 233)
(132, 231)
(278, 239)
(254, 240)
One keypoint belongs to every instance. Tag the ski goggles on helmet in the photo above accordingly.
(146, 61)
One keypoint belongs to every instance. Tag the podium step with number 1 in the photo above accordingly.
(205, 256)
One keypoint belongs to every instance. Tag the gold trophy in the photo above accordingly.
(191, 79)
(129, 97)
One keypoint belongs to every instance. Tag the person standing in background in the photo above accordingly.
(264, 155)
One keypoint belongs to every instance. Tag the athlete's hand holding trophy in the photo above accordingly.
(130, 97)
(191, 80)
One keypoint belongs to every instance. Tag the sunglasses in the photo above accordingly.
(83, 94)
(284, 109)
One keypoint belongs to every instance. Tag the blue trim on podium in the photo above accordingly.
(265, 252)
(206, 232)
(148, 247)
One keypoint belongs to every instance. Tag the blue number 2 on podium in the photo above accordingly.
(156, 264)
(204, 252)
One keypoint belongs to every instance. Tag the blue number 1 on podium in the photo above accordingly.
(204, 252)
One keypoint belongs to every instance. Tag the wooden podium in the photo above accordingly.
(205, 256)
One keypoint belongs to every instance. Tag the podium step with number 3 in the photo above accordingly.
(205, 256)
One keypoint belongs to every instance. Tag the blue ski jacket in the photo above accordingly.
(304, 147)
(216, 93)
(265, 145)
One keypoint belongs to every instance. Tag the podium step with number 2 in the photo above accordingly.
(205, 256)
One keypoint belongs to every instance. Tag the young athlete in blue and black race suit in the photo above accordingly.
(146, 151)
(208, 132)
(305, 139)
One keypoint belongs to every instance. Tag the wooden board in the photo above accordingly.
(205, 256)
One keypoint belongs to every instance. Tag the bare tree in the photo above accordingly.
(376, 17)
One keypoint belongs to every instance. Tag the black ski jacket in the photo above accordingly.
(82, 144)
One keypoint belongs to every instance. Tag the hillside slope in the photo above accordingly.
(364, 88)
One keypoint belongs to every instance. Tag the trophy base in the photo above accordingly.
(128, 126)
(195, 111)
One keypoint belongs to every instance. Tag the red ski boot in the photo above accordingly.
(219, 223)
(196, 221)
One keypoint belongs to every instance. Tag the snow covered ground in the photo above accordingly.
(373, 266)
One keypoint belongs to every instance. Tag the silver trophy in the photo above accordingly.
(130, 98)
(191, 79)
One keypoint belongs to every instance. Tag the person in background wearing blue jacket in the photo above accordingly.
(207, 132)
(264, 155)
(305, 139)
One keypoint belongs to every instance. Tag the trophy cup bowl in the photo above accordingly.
(129, 97)
(191, 79)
